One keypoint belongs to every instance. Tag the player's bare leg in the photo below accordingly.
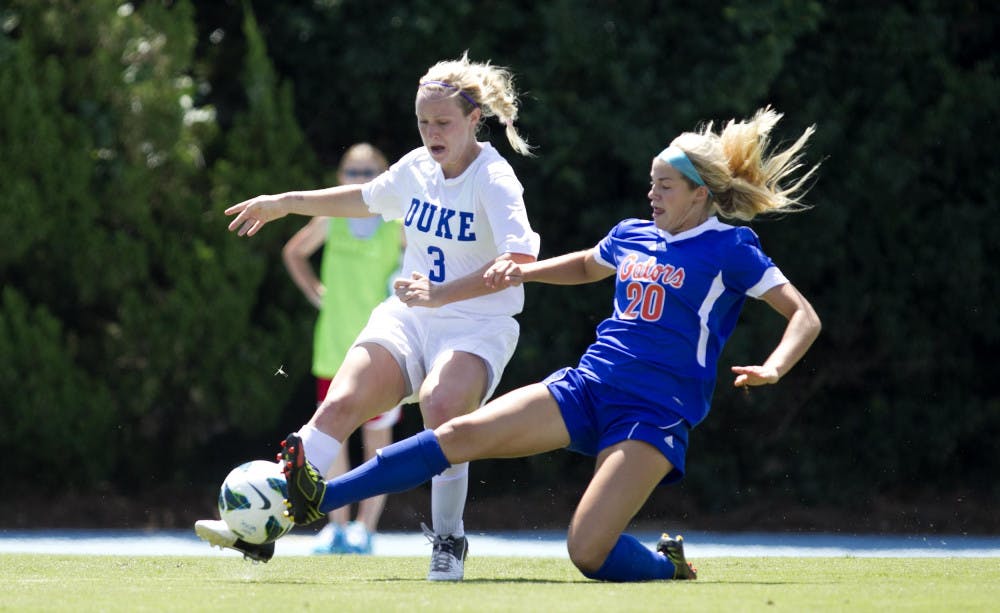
(521, 423)
(455, 386)
(369, 382)
(625, 476)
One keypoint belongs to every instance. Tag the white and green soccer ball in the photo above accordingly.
(251, 502)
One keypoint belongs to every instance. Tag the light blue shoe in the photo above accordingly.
(357, 539)
(330, 540)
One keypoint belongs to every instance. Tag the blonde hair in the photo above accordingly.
(364, 152)
(743, 177)
(482, 85)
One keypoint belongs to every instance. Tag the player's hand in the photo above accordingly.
(415, 291)
(316, 296)
(251, 215)
(503, 274)
(755, 375)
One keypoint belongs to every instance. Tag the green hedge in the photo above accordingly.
(137, 332)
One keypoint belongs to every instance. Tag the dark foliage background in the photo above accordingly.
(139, 339)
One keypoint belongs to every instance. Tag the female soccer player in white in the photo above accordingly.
(462, 209)
(681, 279)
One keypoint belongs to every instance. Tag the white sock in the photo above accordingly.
(448, 491)
(321, 448)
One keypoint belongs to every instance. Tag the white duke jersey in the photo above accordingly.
(455, 226)
(677, 300)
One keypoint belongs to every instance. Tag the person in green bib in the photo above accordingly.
(361, 257)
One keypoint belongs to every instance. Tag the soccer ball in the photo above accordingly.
(251, 502)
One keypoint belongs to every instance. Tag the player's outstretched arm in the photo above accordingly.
(569, 269)
(340, 201)
(802, 329)
(419, 291)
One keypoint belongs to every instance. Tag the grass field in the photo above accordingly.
(33, 582)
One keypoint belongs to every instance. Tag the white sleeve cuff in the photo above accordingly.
(772, 278)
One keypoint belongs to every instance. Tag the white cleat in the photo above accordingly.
(217, 534)
(448, 557)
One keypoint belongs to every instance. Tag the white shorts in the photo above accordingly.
(419, 337)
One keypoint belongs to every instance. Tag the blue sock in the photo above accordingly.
(630, 560)
(395, 468)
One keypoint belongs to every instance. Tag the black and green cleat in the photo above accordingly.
(673, 549)
(305, 485)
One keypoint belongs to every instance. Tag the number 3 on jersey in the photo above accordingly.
(436, 273)
(645, 300)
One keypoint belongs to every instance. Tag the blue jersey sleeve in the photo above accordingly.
(606, 251)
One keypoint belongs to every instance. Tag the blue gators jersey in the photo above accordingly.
(677, 300)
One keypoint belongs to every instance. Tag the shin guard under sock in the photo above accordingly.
(395, 468)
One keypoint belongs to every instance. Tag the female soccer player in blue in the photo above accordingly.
(680, 281)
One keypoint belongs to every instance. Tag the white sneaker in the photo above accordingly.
(217, 534)
(448, 557)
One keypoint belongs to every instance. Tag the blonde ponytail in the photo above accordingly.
(479, 85)
(743, 176)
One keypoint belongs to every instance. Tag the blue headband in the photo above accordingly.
(676, 157)
(461, 93)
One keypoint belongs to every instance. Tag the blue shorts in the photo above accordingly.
(598, 416)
